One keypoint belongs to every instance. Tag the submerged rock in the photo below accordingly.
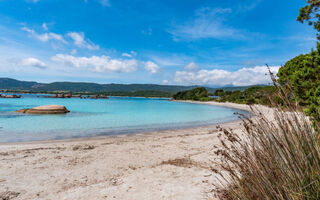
(49, 109)
(64, 96)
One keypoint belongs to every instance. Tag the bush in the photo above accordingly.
(302, 74)
(197, 94)
(252, 95)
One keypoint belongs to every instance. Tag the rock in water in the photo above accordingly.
(49, 109)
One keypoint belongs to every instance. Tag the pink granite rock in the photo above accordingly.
(49, 109)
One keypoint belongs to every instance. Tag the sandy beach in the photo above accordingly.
(174, 164)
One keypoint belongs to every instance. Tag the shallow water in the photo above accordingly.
(94, 117)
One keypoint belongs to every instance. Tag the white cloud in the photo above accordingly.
(77, 37)
(152, 67)
(216, 77)
(207, 23)
(33, 62)
(191, 67)
(79, 40)
(45, 36)
(45, 27)
(129, 55)
(98, 63)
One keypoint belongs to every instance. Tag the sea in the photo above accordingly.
(99, 117)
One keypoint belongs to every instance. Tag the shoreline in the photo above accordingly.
(130, 134)
(126, 135)
(242, 107)
(173, 164)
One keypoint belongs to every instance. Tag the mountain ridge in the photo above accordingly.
(78, 87)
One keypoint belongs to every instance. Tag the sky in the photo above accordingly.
(175, 42)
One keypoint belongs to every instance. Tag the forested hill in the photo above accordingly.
(12, 84)
(82, 87)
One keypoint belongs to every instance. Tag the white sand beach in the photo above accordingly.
(173, 164)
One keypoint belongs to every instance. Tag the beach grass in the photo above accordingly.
(278, 159)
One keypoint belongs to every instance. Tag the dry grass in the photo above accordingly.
(8, 195)
(279, 159)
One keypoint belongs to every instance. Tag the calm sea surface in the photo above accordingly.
(95, 117)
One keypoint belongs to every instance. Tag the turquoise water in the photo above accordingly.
(95, 117)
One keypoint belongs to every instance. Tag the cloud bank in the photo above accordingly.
(98, 63)
(217, 77)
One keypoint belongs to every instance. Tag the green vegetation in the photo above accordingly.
(12, 84)
(197, 94)
(80, 87)
(252, 95)
(131, 90)
(301, 75)
(310, 14)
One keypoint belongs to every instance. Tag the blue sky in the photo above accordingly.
(184, 42)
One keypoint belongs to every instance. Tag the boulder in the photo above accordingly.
(49, 109)
(67, 95)
(77, 96)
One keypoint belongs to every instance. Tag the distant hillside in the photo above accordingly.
(12, 84)
(82, 87)
(93, 87)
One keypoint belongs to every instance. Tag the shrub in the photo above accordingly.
(302, 74)
(252, 95)
(196, 94)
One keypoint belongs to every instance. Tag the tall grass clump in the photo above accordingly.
(275, 158)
